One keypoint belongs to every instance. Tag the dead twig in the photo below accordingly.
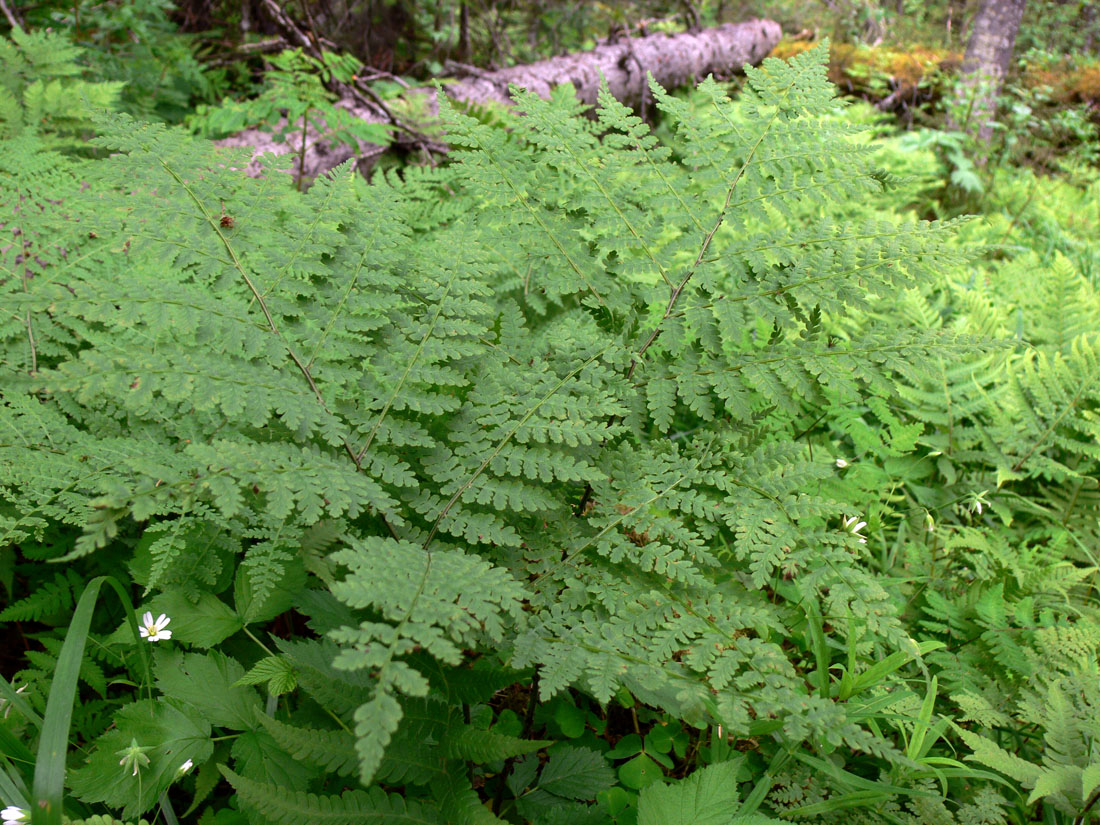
(13, 21)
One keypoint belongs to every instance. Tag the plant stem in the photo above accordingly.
(302, 151)
(166, 809)
(250, 635)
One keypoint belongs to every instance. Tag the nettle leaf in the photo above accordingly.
(576, 773)
(257, 756)
(209, 683)
(171, 733)
(709, 796)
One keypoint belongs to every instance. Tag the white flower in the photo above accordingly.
(852, 527)
(978, 503)
(3, 702)
(841, 463)
(13, 815)
(154, 631)
(185, 767)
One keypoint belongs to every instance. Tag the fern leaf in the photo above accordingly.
(287, 807)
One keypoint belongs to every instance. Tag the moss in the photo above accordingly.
(875, 72)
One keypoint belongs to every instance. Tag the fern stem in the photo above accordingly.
(611, 201)
(30, 326)
(302, 151)
(1082, 386)
(250, 635)
(567, 557)
(358, 457)
(500, 446)
(542, 224)
(216, 226)
(30, 339)
(679, 288)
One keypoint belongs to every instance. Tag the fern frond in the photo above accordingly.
(287, 807)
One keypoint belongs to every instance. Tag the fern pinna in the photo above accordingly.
(554, 431)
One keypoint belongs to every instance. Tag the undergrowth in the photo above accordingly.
(598, 476)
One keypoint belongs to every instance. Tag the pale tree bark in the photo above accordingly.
(674, 60)
(988, 56)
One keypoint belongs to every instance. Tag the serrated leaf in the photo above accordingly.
(203, 623)
(481, 746)
(172, 734)
(208, 682)
(708, 796)
(576, 773)
(374, 807)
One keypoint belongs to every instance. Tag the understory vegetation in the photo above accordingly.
(739, 465)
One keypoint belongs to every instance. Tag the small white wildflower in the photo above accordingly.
(154, 630)
(134, 756)
(4, 701)
(978, 502)
(841, 463)
(185, 767)
(851, 525)
(13, 815)
(929, 523)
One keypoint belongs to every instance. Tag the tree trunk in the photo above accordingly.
(674, 60)
(988, 55)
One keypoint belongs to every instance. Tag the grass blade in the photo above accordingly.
(49, 769)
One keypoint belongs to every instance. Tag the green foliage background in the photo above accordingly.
(525, 488)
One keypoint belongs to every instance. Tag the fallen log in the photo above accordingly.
(673, 60)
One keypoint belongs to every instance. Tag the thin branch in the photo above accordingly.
(34, 350)
(675, 296)
(13, 21)
(1084, 815)
(30, 326)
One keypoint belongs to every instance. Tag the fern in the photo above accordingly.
(287, 807)
(552, 431)
(41, 93)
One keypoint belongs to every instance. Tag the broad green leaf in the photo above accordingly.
(576, 773)
(173, 735)
(208, 683)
